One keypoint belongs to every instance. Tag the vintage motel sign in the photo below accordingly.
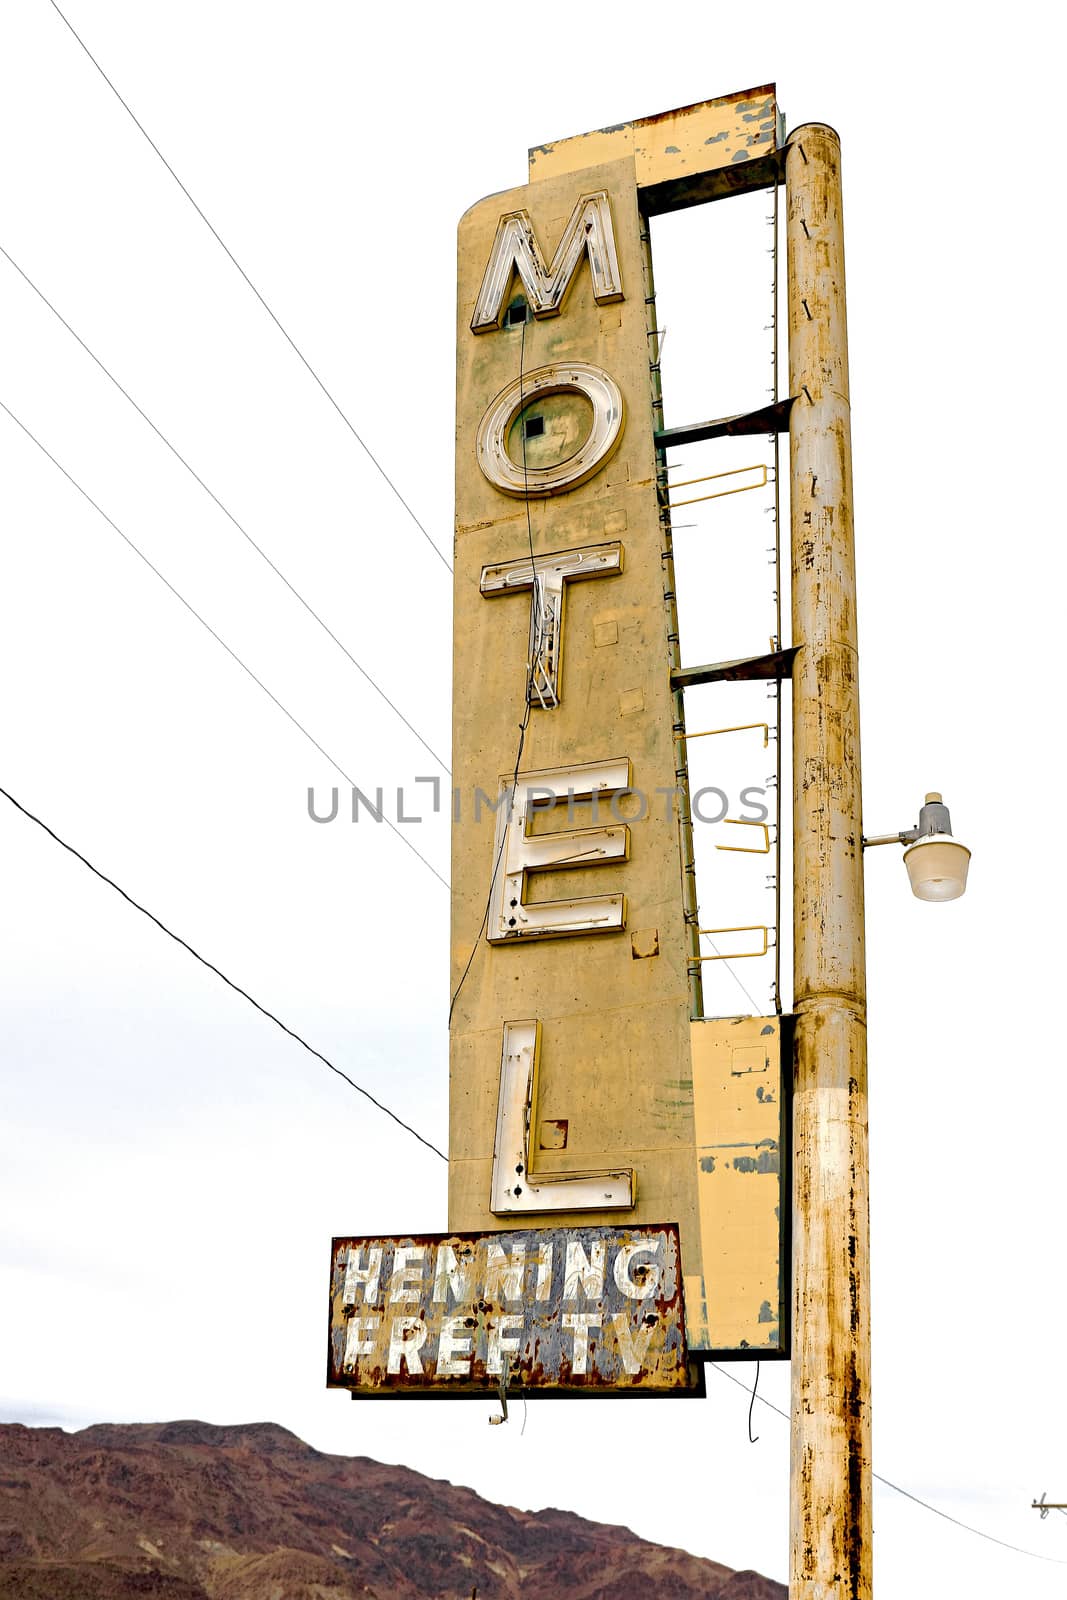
(592, 1106)
(582, 1089)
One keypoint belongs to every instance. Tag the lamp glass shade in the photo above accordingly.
(937, 867)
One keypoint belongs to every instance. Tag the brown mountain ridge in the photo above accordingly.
(189, 1511)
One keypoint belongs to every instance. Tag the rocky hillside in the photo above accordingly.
(186, 1511)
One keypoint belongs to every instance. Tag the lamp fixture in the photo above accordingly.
(936, 862)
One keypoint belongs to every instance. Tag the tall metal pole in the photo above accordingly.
(830, 1464)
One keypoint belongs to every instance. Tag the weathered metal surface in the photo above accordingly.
(741, 1103)
(580, 1310)
(614, 1051)
(681, 157)
(574, 947)
(830, 1513)
(571, 1052)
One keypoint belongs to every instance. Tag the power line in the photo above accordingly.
(204, 962)
(224, 509)
(364, 446)
(1019, 1551)
(216, 636)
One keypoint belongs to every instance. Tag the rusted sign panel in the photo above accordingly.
(581, 1310)
(683, 157)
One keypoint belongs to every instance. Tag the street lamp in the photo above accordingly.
(936, 862)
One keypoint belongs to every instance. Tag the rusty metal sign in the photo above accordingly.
(583, 1310)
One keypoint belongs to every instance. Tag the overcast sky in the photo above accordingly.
(174, 1167)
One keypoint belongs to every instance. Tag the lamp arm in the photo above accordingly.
(906, 836)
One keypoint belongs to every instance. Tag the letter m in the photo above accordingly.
(516, 250)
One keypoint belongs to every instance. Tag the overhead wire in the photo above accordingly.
(216, 636)
(210, 965)
(907, 1493)
(287, 336)
(243, 531)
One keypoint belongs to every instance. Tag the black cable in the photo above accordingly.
(204, 962)
(217, 637)
(752, 1401)
(1019, 1551)
(224, 509)
(283, 331)
(525, 723)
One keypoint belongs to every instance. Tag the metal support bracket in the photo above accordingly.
(777, 664)
(748, 850)
(768, 419)
(738, 955)
(667, 489)
(742, 727)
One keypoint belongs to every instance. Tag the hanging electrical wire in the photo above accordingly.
(216, 636)
(225, 510)
(210, 965)
(899, 1489)
(286, 335)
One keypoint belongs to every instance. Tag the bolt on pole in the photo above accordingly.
(830, 1462)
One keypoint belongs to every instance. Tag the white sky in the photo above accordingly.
(173, 1168)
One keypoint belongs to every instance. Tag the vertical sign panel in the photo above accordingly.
(580, 948)
(572, 1066)
(742, 1300)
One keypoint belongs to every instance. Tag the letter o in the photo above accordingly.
(573, 377)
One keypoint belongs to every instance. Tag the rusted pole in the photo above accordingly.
(830, 1464)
